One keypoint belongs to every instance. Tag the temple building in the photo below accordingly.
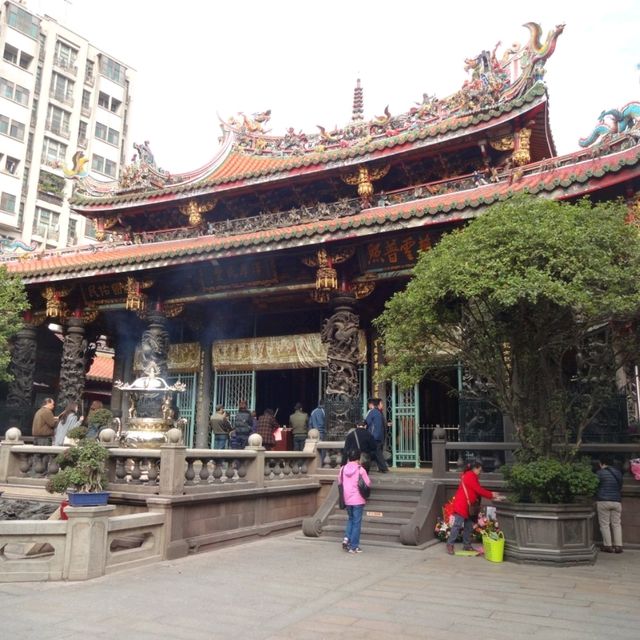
(258, 276)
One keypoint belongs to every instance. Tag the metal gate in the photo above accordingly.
(405, 418)
(362, 379)
(186, 402)
(229, 387)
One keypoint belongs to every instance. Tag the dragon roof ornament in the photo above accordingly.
(493, 80)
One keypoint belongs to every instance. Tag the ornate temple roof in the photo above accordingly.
(499, 88)
(563, 177)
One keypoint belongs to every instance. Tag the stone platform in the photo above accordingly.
(290, 587)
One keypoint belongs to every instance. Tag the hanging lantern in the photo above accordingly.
(326, 275)
(136, 300)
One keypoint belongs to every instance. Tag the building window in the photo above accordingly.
(103, 100)
(11, 165)
(61, 88)
(115, 105)
(89, 72)
(103, 165)
(11, 128)
(72, 235)
(65, 56)
(89, 229)
(107, 134)
(14, 92)
(53, 152)
(82, 134)
(58, 121)
(15, 56)
(112, 70)
(45, 223)
(86, 100)
(8, 202)
(22, 21)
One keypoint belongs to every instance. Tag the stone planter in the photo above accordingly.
(554, 534)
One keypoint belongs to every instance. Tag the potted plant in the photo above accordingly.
(82, 474)
(98, 419)
(538, 300)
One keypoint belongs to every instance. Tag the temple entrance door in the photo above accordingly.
(405, 418)
(186, 402)
(281, 388)
(229, 387)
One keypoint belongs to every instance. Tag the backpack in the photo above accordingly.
(241, 424)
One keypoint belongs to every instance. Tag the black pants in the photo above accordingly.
(378, 457)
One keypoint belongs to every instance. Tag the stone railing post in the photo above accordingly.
(172, 465)
(85, 553)
(311, 446)
(439, 452)
(255, 473)
(7, 461)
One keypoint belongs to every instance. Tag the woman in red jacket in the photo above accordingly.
(468, 493)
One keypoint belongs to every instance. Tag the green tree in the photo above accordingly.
(537, 298)
(13, 301)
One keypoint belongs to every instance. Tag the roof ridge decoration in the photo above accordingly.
(493, 81)
(614, 123)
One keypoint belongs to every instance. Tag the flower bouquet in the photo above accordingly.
(487, 525)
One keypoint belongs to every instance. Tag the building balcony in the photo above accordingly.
(85, 111)
(65, 65)
(51, 198)
(82, 143)
(90, 80)
(59, 96)
(63, 132)
(42, 230)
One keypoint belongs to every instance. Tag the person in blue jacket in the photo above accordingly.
(375, 425)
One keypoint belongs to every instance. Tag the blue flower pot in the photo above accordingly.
(83, 499)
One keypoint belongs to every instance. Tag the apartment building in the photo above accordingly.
(59, 95)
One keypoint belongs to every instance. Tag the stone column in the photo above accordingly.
(87, 535)
(154, 352)
(340, 332)
(22, 368)
(204, 396)
(72, 371)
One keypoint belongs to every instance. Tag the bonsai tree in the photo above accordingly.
(537, 299)
(82, 468)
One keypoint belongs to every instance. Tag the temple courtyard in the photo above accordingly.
(290, 587)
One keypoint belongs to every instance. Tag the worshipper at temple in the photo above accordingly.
(68, 420)
(44, 423)
(375, 424)
(609, 505)
(466, 499)
(299, 423)
(359, 439)
(92, 427)
(267, 424)
(317, 419)
(354, 500)
(242, 426)
(220, 427)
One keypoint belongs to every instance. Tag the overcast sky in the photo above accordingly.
(196, 59)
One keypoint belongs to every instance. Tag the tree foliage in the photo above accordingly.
(535, 297)
(13, 301)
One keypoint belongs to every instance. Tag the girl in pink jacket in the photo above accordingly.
(353, 500)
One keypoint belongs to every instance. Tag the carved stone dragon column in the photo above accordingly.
(340, 332)
(154, 349)
(72, 370)
(22, 368)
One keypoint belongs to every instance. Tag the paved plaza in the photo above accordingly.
(290, 587)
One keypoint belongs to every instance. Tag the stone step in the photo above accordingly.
(393, 498)
(366, 533)
(388, 511)
(338, 518)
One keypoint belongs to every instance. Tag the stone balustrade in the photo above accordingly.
(210, 468)
(134, 467)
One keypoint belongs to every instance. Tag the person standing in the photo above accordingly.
(220, 427)
(375, 425)
(267, 424)
(317, 419)
(468, 494)
(44, 423)
(359, 439)
(609, 505)
(354, 500)
(242, 425)
(68, 420)
(299, 423)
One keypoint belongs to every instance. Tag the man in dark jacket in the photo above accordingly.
(609, 505)
(375, 424)
(359, 439)
(242, 425)
(220, 426)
